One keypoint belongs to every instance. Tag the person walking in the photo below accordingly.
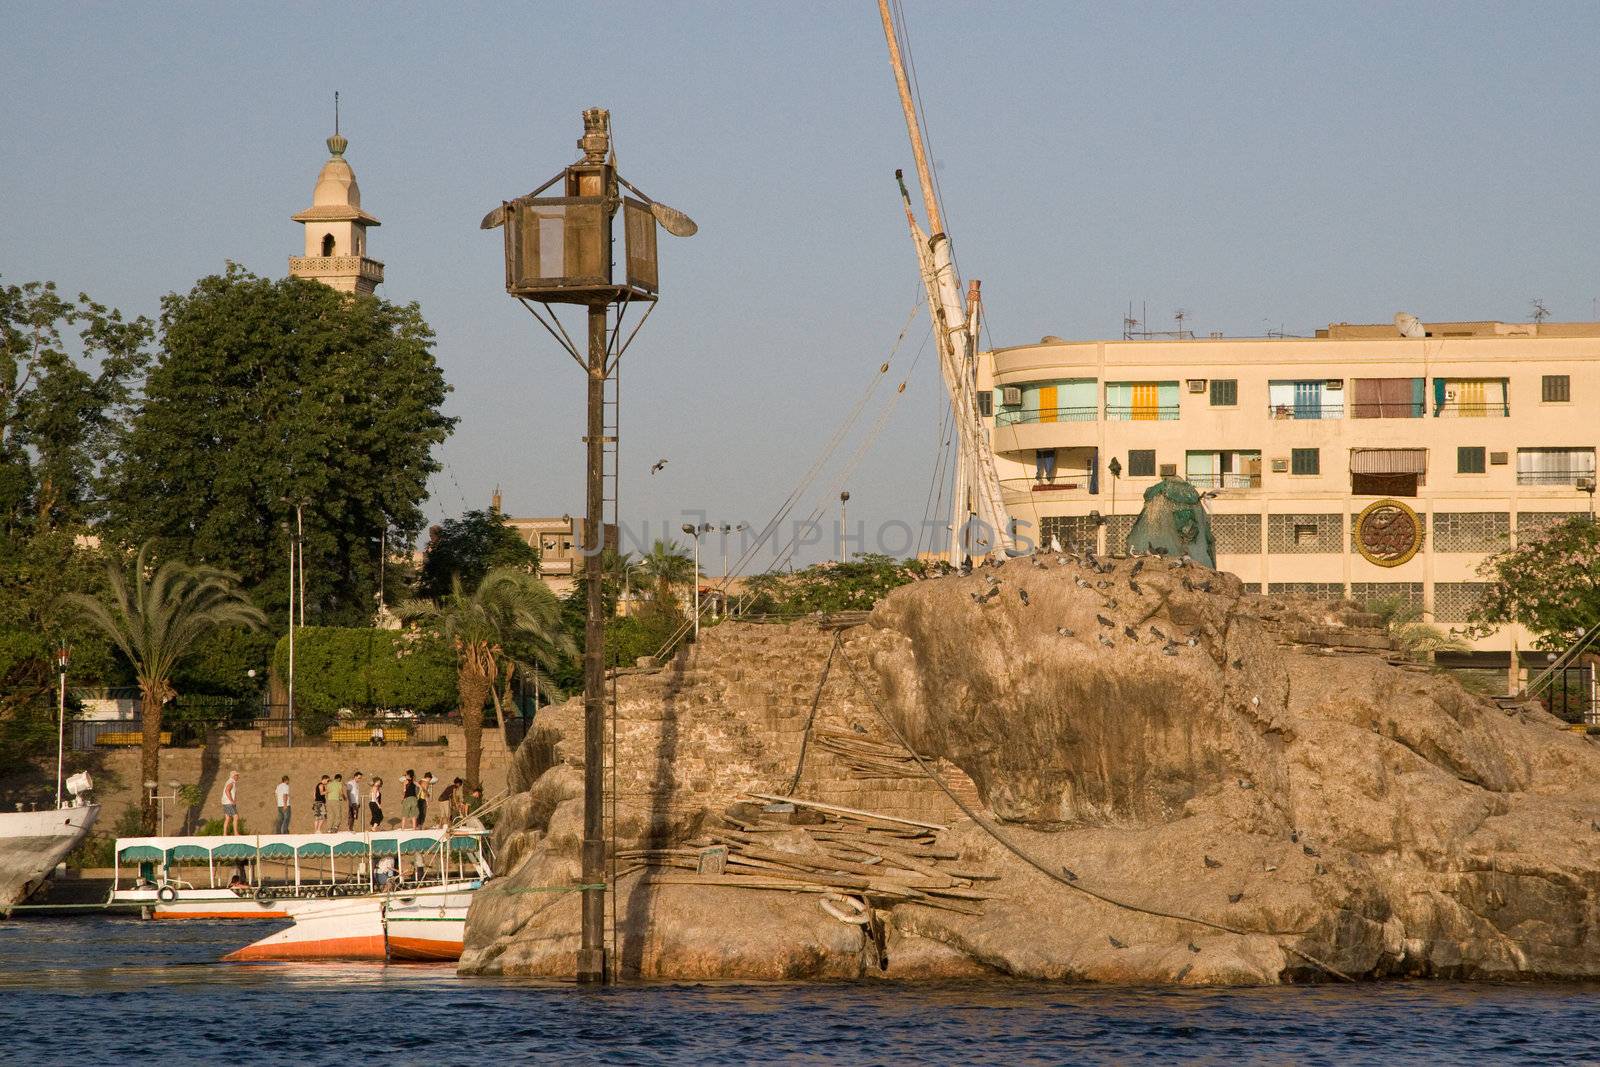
(352, 793)
(282, 793)
(375, 804)
(230, 804)
(424, 790)
(453, 801)
(319, 805)
(336, 796)
(408, 801)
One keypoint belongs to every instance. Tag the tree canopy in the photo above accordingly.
(854, 585)
(1550, 584)
(269, 393)
(468, 548)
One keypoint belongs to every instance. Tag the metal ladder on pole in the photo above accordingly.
(610, 485)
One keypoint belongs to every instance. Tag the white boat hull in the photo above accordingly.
(429, 926)
(33, 842)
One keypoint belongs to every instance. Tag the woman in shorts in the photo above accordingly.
(319, 806)
(375, 804)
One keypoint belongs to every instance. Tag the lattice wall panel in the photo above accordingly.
(1531, 525)
(1310, 590)
(1237, 535)
(1072, 531)
(1454, 601)
(1118, 527)
(1407, 593)
(1471, 531)
(1287, 534)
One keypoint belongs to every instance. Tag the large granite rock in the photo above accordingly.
(1246, 795)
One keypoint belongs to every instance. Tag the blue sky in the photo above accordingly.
(1261, 165)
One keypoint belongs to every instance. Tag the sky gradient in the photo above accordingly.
(1264, 166)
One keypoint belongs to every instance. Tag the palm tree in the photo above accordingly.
(511, 611)
(1414, 638)
(668, 564)
(155, 617)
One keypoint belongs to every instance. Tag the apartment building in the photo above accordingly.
(1368, 461)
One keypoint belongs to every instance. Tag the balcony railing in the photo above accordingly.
(1225, 481)
(1473, 411)
(1142, 413)
(1019, 416)
(1306, 411)
(1388, 409)
(1553, 477)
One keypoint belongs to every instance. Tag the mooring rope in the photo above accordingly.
(1022, 854)
(805, 735)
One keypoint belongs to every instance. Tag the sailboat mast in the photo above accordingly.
(919, 148)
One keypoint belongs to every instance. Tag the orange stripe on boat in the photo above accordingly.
(170, 916)
(422, 949)
(330, 948)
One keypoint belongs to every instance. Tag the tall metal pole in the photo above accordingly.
(291, 630)
(61, 722)
(592, 954)
(919, 150)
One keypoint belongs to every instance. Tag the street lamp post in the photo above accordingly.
(63, 656)
(695, 532)
(844, 498)
(561, 250)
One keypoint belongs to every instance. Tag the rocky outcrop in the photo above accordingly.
(1229, 789)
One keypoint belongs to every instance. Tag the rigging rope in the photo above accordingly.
(1017, 850)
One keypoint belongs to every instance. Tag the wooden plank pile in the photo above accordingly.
(862, 754)
(883, 859)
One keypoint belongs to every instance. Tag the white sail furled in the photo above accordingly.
(977, 483)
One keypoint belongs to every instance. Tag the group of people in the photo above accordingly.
(350, 804)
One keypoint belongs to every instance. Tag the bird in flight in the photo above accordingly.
(657, 466)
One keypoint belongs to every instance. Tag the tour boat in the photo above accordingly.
(401, 894)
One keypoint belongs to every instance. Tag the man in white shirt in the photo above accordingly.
(230, 804)
(352, 792)
(283, 805)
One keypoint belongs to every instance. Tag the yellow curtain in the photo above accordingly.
(1048, 409)
(1471, 399)
(1146, 401)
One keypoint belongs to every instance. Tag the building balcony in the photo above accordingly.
(336, 267)
(1142, 413)
(1457, 409)
(1388, 409)
(1554, 477)
(1225, 481)
(1034, 492)
(1305, 411)
(1023, 416)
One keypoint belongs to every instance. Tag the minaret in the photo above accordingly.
(336, 228)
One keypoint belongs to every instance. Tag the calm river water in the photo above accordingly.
(120, 991)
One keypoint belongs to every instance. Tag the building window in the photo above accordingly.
(1385, 594)
(1455, 601)
(1304, 533)
(1308, 590)
(1554, 466)
(1142, 463)
(1388, 398)
(1305, 461)
(327, 244)
(1471, 398)
(1471, 459)
(1237, 534)
(1224, 392)
(986, 403)
(1141, 401)
(1223, 469)
(1556, 389)
(1387, 471)
(1303, 400)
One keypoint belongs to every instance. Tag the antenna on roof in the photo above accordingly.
(1409, 325)
(1540, 312)
(336, 112)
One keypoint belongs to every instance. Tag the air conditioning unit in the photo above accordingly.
(1333, 385)
(1449, 395)
(1280, 465)
(1197, 385)
(1499, 459)
(1586, 485)
(1011, 396)
(1169, 470)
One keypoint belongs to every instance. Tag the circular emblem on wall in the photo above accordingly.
(1388, 533)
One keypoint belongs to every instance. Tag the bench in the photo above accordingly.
(117, 738)
(362, 735)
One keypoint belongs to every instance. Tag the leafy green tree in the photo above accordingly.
(269, 393)
(668, 565)
(155, 614)
(68, 370)
(1550, 584)
(468, 548)
(854, 585)
(510, 609)
(366, 669)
